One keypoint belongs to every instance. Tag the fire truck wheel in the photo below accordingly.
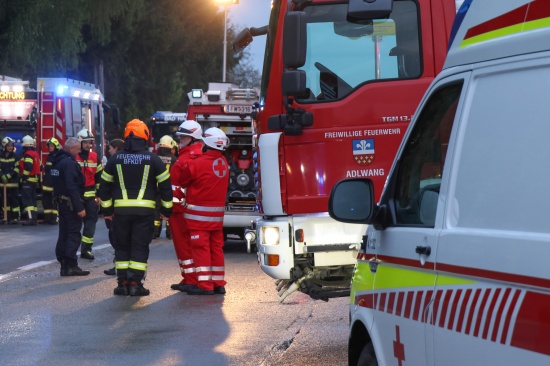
(367, 356)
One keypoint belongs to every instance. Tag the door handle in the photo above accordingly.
(424, 250)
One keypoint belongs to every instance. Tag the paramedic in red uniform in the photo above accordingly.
(206, 178)
(91, 168)
(190, 136)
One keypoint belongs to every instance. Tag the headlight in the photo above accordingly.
(270, 235)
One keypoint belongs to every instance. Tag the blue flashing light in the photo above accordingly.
(61, 89)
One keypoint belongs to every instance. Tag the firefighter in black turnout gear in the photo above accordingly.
(50, 210)
(165, 154)
(68, 190)
(129, 186)
(10, 178)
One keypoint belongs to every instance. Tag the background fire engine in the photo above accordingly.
(228, 107)
(55, 107)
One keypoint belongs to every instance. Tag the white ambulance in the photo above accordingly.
(455, 266)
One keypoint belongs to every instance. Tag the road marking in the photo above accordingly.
(28, 267)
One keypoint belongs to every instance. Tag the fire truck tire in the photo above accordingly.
(367, 356)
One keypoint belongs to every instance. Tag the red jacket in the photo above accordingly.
(91, 168)
(206, 178)
(29, 165)
(175, 173)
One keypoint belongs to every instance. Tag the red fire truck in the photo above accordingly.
(228, 107)
(340, 83)
(58, 107)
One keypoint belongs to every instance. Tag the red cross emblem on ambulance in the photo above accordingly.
(219, 166)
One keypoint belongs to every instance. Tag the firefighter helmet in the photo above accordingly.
(190, 128)
(28, 141)
(85, 135)
(166, 141)
(215, 138)
(7, 140)
(54, 142)
(137, 129)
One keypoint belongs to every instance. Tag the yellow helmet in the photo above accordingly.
(166, 141)
(54, 142)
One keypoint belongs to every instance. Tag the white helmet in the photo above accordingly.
(85, 135)
(190, 128)
(215, 138)
(28, 141)
(166, 141)
(7, 140)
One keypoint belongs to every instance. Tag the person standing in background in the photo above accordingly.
(10, 178)
(115, 146)
(50, 210)
(91, 168)
(29, 171)
(165, 154)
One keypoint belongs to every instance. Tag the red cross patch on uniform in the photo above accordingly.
(219, 167)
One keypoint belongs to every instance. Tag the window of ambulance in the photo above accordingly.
(503, 177)
(421, 164)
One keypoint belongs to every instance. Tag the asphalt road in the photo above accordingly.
(46, 319)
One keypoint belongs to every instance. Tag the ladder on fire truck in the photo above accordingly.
(46, 125)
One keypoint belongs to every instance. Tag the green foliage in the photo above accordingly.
(152, 51)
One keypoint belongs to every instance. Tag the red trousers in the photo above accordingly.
(207, 249)
(182, 245)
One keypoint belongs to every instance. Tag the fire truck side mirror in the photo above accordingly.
(116, 119)
(368, 10)
(243, 39)
(294, 82)
(295, 39)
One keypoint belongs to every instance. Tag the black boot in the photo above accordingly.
(122, 288)
(63, 271)
(137, 289)
(86, 252)
(196, 290)
(110, 272)
(168, 232)
(75, 271)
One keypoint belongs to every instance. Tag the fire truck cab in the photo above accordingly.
(228, 107)
(453, 269)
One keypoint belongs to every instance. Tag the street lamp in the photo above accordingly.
(225, 4)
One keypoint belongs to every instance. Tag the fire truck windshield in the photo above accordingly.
(342, 55)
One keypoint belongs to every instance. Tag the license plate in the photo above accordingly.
(241, 109)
